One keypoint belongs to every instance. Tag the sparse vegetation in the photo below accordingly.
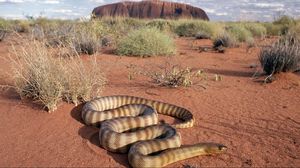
(39, 76)
(146, 42)
(163, 25)
(4, 28)
(239, 32)
(190, 28)
(225, 40)
(48, 69)
(285, 22)
(169, 75)
(173, 76)
(282, 56)
(257, 29)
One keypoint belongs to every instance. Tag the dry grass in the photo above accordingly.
(172, 76)
(3, 34)
(168, 75)
(47, 80)
(283, 56)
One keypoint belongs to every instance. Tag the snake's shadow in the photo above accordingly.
(91, 135)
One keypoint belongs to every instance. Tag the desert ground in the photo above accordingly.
(259, 123)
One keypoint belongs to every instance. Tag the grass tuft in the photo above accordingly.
(225, 40)
(282, 56)
(46, 79)
(146, 42)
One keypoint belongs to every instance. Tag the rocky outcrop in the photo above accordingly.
(150, 9)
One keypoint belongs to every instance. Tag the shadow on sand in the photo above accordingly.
(231, 73)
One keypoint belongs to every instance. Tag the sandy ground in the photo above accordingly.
(259, 123)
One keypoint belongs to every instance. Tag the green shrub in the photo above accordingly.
(3, 34)
(282, 56)
(285, 22)
(161, 24)
(4, 24)
(146, 42)
(239, 32)
(224, 39)
(295, 31)
(21, 26)
(85, 43)
(272, 30)
(192, 27)
(202, 35)
(257, 29)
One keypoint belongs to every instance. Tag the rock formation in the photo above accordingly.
(150, 9)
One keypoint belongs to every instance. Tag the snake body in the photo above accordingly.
(130, 124)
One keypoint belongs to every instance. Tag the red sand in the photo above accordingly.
(259, 123)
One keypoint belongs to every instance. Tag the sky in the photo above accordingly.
(218, 10)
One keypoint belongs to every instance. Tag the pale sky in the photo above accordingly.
(224, 10)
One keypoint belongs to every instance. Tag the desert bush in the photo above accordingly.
(21, 26)
(284, 22)
(146, 42)
(257, 29)
(85, 43)
(161, 24)
(5, 24)
(82, 80)
(82, 37)
(3, 34)
(224, 39)
(272, 29)
(294, 31)
(282, 56)
(37, 76)
(4, 28)
(47, 80)
(172, 76)
(202, 35)
(189, 28)
(239, 32)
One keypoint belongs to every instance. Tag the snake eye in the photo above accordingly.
(222, 147)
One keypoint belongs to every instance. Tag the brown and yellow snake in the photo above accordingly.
(130, 124)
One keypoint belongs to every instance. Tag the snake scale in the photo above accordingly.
(130, 124)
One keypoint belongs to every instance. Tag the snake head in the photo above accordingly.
(211, 148)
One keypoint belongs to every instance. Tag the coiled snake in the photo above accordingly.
(131, 124)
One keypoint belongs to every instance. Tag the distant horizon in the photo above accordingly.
(231, 10)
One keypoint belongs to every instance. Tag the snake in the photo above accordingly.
(130, 124)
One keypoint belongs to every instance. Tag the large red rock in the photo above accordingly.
(150, 9)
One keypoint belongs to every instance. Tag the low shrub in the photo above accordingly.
(21, 26)
(5, 27)
(272, 29)
(82, 37)
(284, 22)
(85, 43)
(202, 35)
(82, 80)
(224, 39)
(47, 80)
(282, 56)
(191, 27)
(161, 24)
(173, 76)
(294, 31)
(146, 42)
(5, 24)
(3, 34)
(239, 32)
(257, 29)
